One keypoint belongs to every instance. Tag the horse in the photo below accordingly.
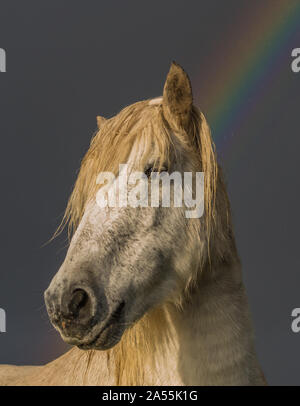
(145, 295)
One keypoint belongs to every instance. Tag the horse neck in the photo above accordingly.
(215, 338)
(208, 340)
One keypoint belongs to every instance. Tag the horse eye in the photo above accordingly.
(149, 170)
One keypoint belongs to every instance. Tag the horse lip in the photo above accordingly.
(113, 317)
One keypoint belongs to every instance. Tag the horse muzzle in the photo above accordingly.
(83, 319)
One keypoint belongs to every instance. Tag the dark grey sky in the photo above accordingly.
(68, 61)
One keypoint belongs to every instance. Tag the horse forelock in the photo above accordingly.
(132, 133)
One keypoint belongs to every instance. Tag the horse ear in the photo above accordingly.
(100, 121)
(177, 97)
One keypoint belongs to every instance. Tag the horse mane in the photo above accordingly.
(134, 358)
(112, 144)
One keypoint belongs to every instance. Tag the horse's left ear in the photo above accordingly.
(100, 121)
(177, 98)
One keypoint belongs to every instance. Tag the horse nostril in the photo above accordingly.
(79, 301)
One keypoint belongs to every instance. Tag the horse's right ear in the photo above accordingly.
(100, 121)
(177, 98)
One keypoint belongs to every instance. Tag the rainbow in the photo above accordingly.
(250, 56)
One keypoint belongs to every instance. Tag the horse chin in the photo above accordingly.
(107, 339)
(110, 334)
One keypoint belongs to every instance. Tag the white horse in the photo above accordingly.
(145, 295)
